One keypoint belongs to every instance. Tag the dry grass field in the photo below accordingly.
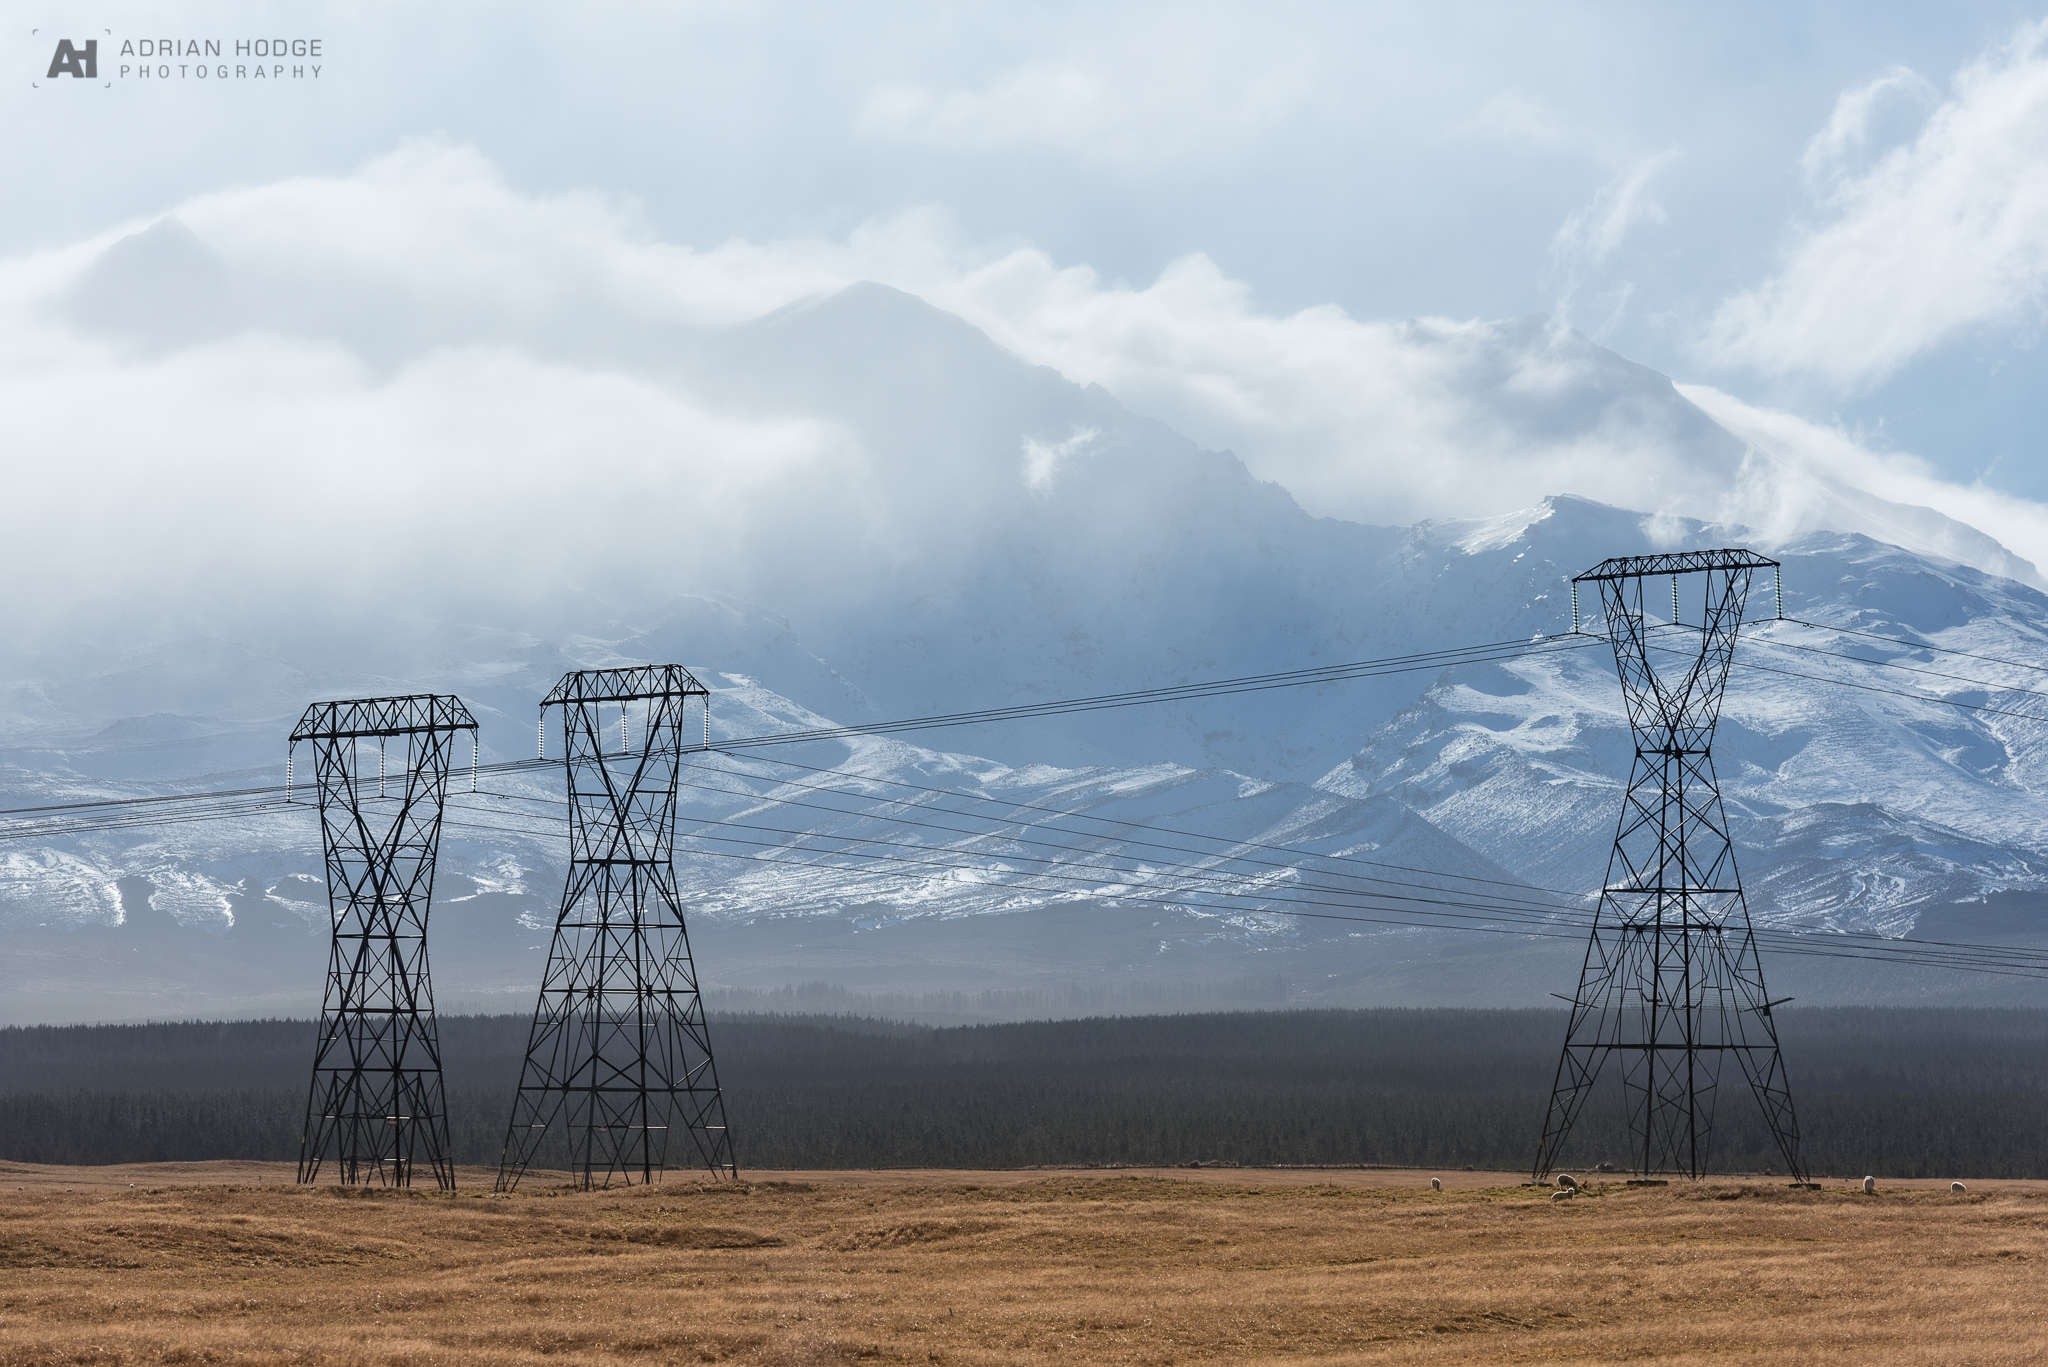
(203, 1263)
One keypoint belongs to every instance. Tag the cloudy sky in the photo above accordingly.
(1831, 218)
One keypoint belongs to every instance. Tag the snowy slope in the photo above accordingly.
(1855, 806)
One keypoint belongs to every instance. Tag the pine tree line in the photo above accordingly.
(1900, 1092)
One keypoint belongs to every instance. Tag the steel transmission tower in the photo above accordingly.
(1672, 982)
(376, 1106)
(620, 1053)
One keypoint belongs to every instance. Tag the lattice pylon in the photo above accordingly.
(377, 1106)
(1672, 980)
(619, 1059)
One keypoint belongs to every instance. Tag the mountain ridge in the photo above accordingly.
(987, 532)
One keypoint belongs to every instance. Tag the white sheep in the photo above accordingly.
(1568, 1182)
(1564, 1195)
(1436, 1184)
(1870, 1186)
(1957, 1188)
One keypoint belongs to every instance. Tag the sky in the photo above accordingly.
(1830, 221)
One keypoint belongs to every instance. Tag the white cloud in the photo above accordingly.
(1588, 238)
(1941, 236)
(1848, 127)
(1592, 235)
(435, 374)
(1803, 476)
(1042, 460)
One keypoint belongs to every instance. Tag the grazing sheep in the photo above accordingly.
(1957, 1188)
(1436, 1184)
(1567, 1181)
(1869, 1186)
(1564, 1195)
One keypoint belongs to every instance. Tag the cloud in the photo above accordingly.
(1848, 127)
(1592, 235)
(1042, 459)
(430, 382)
(1588, 238)
(1944, 235)
(1804, 476)
(431, 386)
(1382, 422)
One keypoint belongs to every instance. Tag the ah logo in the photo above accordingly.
(83, 63)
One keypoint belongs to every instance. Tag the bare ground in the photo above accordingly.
(232, 1263)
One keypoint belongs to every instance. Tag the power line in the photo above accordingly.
(261, 801)
(1163, 830)
(1257, 683)
(1924, 952)
(1894, 692)
(2031, 964)
(1168, 868)
(1917, 645)
(1396, 664)
(1895, 664)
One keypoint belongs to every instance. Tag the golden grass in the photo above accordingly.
(1125, 1267)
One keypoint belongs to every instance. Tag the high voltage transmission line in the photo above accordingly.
(1234, 844)
(78, 817)
(1201, 880)
(1526, 916)
(2012, 961)
(117, 811)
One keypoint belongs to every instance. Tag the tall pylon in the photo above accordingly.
(620, 1054)
(376, 1106)
(1672, 982)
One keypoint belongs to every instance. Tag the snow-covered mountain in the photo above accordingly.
(992, 534)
